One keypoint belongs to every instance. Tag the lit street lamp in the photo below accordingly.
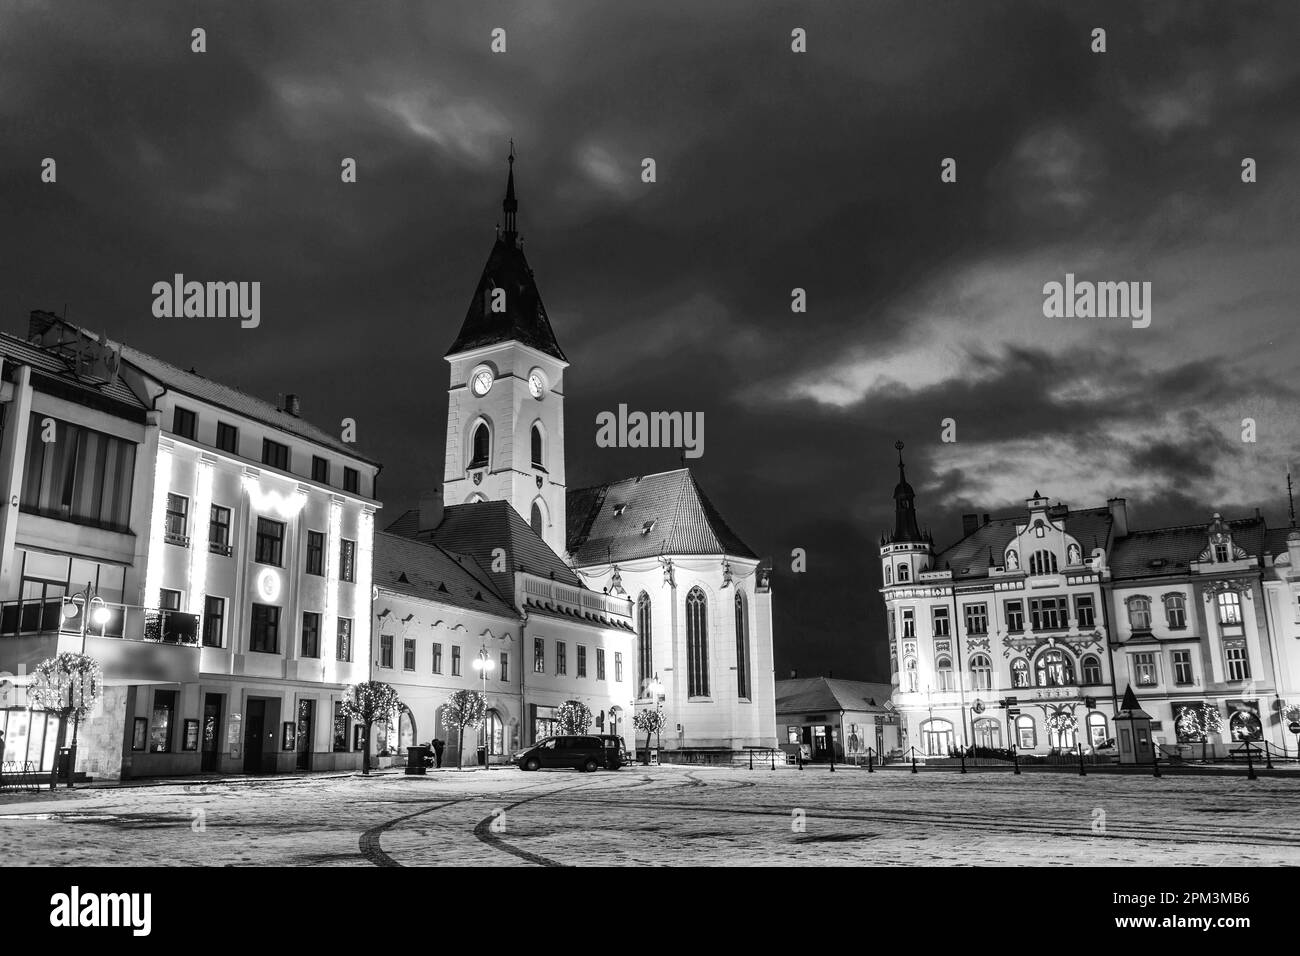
(483, 664)
(99, 614)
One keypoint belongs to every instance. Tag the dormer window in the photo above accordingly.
(619, 509)
(1222, 554)
(648, 526)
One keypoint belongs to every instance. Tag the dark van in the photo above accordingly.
(614, 750)
(585, 753)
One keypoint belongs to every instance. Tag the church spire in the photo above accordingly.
(511, 205)
(905, 527)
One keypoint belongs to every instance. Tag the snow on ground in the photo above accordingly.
(663, 816)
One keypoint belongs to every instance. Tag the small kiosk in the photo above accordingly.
(1133, 731)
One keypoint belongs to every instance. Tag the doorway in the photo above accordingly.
(254, 721)
(306, 724)
(211, 760)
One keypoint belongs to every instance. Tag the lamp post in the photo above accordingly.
(76, 607)
(483, 664)
(653, 690)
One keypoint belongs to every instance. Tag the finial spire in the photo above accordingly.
(511, 205)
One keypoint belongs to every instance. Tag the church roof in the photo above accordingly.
(1162, 551)
(643, 517)
(816, 694)
(969, 557)
(424, 570)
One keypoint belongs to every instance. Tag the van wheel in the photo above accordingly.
(590, 766)
(532, 763)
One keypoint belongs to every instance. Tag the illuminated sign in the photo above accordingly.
(268, 585)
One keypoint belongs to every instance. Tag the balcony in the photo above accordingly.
(35, 618)
(577, 602)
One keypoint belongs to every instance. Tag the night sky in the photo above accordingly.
(776, 170)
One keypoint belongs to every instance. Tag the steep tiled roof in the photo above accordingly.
(524, 317)
(1177, 547)
(816, 694)
(426, 571)
(53, 366)
(969, 557)
(667, 513)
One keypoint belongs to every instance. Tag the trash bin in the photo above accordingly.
(415, 757)
(63, 765)
(482, 756)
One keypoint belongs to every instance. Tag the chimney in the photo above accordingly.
(969, 524)
(1118, 516)
(293, 405)
(430, 510)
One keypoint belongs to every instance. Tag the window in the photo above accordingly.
(538, 459)
(582, 660)
(1026, 735)
(697, 644)
(347, 560)
(265, 634)
(1182, 667)
(902, 573)
(1084, 612)
(320, 469)
(315, 552)
(1015, 615)
(981, 672)
(937, 737)
(618, 666)
(1054, 669)
(1237, 661)
(943, 673)
(1042, 562)
(386, 650)
(505, 666)
(169, 600)
(535, 520)
(913, 681)
(214, 621)
(977, 618)
(1175, 611)
(310, 634)
(939, 621)
(343, 642)
(437, 658)
(909, 622)
(539, 656)
(228, 437)
(160, 727)
(275, 454)
(82, 476)
(644, 645)
(742, 646)
(1020, 672)
(1139, 613)
(889, 576)
(219, 530)
(1097, 735)
(184, 422)
(408, 654)
(1091, 670)
(270, 542)
(340, 729)
(1048, 614)
(351, 480)
(600, 663)
(1144, 669)
(1229, 603)
(479, 444)
(1222, 554)
(178, 510)
(455, 660)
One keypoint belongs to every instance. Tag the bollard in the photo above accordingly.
(1268, 760)
(1015, 758)
(963, 759)
(832, 756)
(800, 755)
(913, 760)
(751, 759)
(1155, 758)
(1250, 764)
(773, 753)
(870, 754)
(1082, 771)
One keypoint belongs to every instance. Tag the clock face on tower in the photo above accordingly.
(536, 383)
(481, 381)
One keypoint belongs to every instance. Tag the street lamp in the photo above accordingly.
(483, 664)
(75, 607)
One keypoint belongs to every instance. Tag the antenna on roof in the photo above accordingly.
(1290, 497)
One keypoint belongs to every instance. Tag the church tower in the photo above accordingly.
(907, 552)
(505, 408)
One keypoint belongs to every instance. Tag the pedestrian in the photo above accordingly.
(437, 751)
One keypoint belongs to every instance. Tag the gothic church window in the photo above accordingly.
(479, 445)
(697, 644)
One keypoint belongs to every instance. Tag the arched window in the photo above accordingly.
(742, 646)
(1175, 610)
(1019, 672)
(697, 644)
(1139, 613)
(888, 575)
(479, 445)
(909, 669)
(943, 673)
(902, 573)
(1060, 738)
(538, 523)
(1042, 562)
(988, 733)
(1026, 735)
(1054, 669)
(1097, 735)
(981, 672)
(644, 645)
(937, 737)
(1091, 670)
(538, 458)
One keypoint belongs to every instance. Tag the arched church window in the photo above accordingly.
(644, 645)
(697, 644)
(479, 445)
(742, 646)
(536, 519)
(538, 457)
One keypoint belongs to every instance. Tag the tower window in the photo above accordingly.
(536, 519)
(482, 438)
(538, 456)
(902, 573)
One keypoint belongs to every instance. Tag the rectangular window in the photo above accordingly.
(169, 600)
(561, 657)
(618, 665)
(1084, 612)
(164, 718)
(347, 560)
(265, 633)
(408, 654)
(310, 634)
(1229, 607)
(1015, 615)
(909, 622)
(228, 437)
(600, 663)
(1238, 663)
(1175, 611)
(275, 454)
(505, 666)
(315, 552)
(178, 512)
(219, 530)
(437, 658)
(539, 655)
(340, 729)
(977, 618)
(1182, 667)
(270, 542)
(939, 621)
(1144, 669)
(455, 660)
(351, 480)
(82, 476)
(386, 650)
(343, 644)
(1048, 614)
(320, 469)
(184, 422)
(214, 621)
(582, 661)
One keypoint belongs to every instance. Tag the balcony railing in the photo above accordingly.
(130, 622)
(576, 601)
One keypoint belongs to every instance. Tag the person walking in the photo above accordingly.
(437, 752)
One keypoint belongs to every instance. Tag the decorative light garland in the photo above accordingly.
(162, 479)
(286, 506)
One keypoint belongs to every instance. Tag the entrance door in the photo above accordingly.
(211, 733)
(254, 718)
(306, 722)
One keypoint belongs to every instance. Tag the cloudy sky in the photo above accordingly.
(776, 170)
